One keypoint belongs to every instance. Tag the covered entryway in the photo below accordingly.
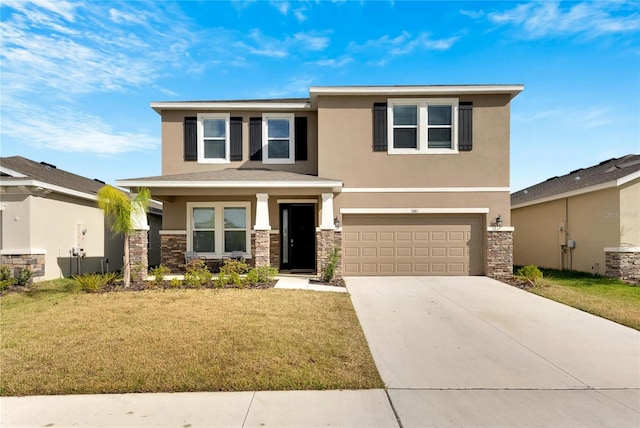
(412, 244)
(298, 237)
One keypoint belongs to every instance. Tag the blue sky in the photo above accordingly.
(77, 77)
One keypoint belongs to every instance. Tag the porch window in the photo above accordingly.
(217, 229)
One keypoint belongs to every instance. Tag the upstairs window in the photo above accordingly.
(278, 138)
(213, 138)
(422, 126)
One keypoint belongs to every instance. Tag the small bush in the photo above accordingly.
(261, 275)
(529, 273)
(23, 277)
(330, 268)
(159, 273)
(94, 282)
(6, 279)
(230, 273)
(174, 283)
(197, 274)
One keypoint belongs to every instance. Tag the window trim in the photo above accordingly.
(265, 138)
(219, 228)
(423, 127)
(227, 143)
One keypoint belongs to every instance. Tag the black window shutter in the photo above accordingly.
(236, 138)
(255, 138)
(465, 126)
(190, 138)
(380, 127)
(301, 138)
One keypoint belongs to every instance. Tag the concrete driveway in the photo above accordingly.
(471, 351)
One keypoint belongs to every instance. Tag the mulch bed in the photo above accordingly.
(517, 282)
(336, 282)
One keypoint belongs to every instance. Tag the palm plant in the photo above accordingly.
(119, 210)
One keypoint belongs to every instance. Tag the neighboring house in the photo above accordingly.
(403, 180)
(587, 220)
(50, 222)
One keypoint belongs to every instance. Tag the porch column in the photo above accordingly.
(138, 245)
(325, 236)
(262, 230)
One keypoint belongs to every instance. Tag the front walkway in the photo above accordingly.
(471, 351)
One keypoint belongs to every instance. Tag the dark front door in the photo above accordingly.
(298, 237)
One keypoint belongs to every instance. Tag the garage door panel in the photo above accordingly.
(412, 245)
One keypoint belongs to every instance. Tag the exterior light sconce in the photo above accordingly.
(336, 223)
(498, 221)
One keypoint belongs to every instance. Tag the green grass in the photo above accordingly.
(55, 341)
(609, 298)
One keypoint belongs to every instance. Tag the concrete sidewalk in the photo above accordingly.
(370, 408)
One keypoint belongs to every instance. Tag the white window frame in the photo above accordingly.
(423, 127)
(265, 138)
(219, 226)
(227, 144)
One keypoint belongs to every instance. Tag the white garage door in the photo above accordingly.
(412, 245)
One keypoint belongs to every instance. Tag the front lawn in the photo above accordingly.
(606, 297)
(58, 342)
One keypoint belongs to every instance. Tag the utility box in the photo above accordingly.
(77, 252)
(571, 243)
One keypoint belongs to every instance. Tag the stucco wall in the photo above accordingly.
(16, 234)
(346, 153)
(589, 222)
(173, 145)
(630, 214)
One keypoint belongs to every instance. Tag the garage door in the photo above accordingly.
(412, 245)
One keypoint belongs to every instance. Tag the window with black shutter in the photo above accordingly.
(465, 126)
(380, 127)
(301, 138)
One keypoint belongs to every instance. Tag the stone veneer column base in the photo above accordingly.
(326, 240)
(624, 264)
(15, 262)
(172, 249)
(262, 255)
(139, 255)
(499, 254)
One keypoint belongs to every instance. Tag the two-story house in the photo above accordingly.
(403, 180)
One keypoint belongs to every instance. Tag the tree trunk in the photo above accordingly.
(126, 267)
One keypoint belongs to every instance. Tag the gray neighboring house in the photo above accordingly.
(50, 222)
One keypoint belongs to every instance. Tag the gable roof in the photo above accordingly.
(610, 173)
(232, 177)
(16, 170)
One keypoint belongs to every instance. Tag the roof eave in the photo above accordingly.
(228, 105)
(230, 184)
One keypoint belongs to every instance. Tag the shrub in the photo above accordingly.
(230, 273)
(529, 273)
(197, 274)
(261, 275)
(23, 277)
(159, 273)
(94, 282)
(174, 283)
(6, 279)
(330, 268)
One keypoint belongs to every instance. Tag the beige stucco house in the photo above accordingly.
(402, 180)
(50, 222)
(587, 220)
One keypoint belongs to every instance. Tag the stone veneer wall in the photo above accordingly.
(262, 253)
(499, 254)
(326, 240)
(274, 253)
(623, 264)
(35, 263)
(172, 248)
(139, 255)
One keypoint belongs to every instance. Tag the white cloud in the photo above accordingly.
(282, 6)
(297, 87)
(405, 43)
(66, 129)
(473, 14)
(590, 19)
(335, 63)
(263, 45)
